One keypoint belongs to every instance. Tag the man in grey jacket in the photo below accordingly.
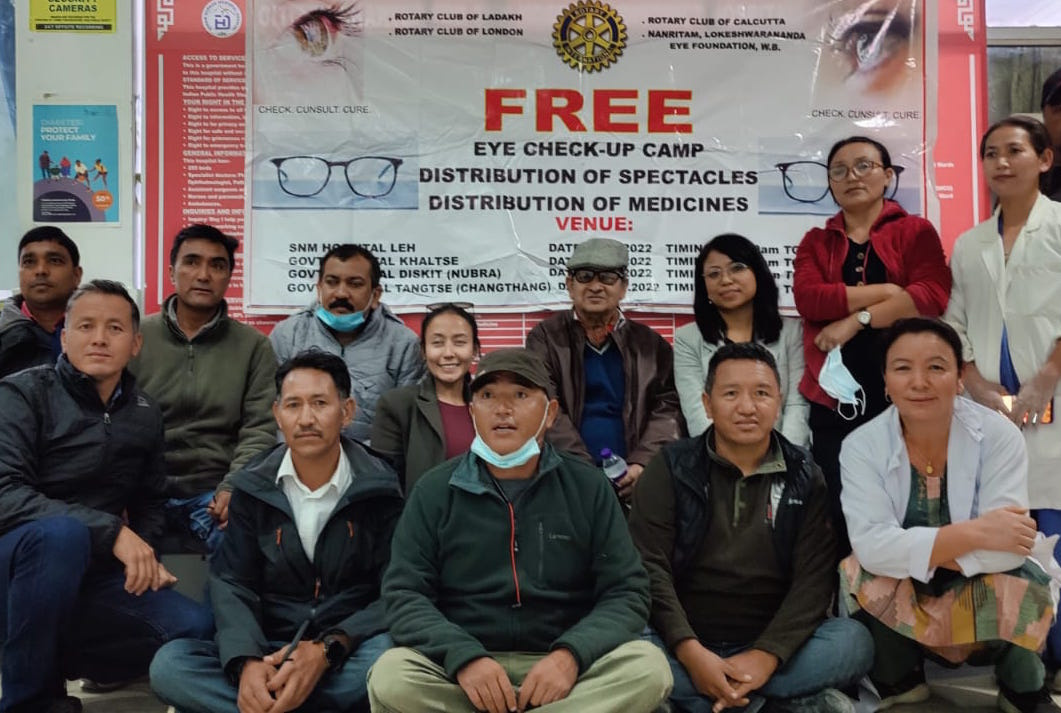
(349, 321)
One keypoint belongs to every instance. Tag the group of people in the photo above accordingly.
(804, 501)
(62, 169)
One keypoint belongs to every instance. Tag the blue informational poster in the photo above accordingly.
(75, 146)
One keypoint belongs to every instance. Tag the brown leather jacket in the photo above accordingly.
(652, 414)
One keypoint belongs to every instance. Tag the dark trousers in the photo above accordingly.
(828, 431)
(60, 616)
(898, 656)
(1049, 522)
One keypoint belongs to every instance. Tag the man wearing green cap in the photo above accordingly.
(513, 582)
(613, 377)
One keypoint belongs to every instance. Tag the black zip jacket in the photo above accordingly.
(64, 452)
(23, 342)
(262, 584)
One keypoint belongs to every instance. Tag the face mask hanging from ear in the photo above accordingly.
(516, 458)
(837, 381)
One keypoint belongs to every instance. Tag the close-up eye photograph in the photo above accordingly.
(307, 51)
(873, 47)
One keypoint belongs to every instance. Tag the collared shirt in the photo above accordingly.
(55, 334)
(171, 311)
(312, 508)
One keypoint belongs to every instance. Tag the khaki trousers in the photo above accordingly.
(633, 678)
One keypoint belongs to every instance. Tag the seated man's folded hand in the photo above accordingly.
(254, 695)
(296, 678)
(755, 667)
(486, 684)
(218, 507)
(712, 675)
(549, 680)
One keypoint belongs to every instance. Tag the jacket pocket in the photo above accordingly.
(560, 560)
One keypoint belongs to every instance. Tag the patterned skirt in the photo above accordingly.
(954, 616)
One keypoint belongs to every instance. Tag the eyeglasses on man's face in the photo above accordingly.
(808, 181)
(585, 275)
(732, 270)
(306, 176)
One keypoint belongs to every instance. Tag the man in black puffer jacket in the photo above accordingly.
(81, 492)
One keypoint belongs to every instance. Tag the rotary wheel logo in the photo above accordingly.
(589, 36)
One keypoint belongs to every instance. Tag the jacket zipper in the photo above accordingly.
(513, 548)
(541, 551)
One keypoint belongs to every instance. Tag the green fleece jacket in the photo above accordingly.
(216, 394)
(471, 573)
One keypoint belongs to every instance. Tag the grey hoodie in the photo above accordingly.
(385, 355)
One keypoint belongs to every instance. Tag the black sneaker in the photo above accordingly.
(911, 689)
(1035, 702)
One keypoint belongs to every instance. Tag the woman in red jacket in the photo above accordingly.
(870, 265)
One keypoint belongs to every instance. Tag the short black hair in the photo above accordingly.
(921, 325)
(766, 319)
(1038, 136)
(202, 231)
(885, 157)
(449, 308)
(320, 360)
(344, 252)
(750, 351)
(52, 234)
(106, 287)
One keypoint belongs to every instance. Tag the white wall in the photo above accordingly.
(74, 68)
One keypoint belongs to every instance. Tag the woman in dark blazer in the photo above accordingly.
(421, 425)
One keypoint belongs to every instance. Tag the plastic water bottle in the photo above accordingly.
(614, 466)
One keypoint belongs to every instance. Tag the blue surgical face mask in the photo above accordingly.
(837, 381)
(516, 458)
(340, 322)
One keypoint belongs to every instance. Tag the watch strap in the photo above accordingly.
(334, 649)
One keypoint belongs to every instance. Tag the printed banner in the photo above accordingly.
(73, 146)
(459, 141)
(69, 16)
(473, 145)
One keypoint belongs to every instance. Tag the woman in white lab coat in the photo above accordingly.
(1006, 306)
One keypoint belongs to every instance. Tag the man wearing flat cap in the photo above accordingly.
(1051, 108)
(613, 377)
(513, 582)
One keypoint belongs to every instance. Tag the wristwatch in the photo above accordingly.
(864, 318)
(334, 650)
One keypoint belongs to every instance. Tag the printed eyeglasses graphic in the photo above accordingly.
(808, 181)
(306, 176)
